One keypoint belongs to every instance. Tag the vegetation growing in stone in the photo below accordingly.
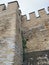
(24, 46)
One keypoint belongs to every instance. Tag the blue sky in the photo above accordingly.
(28, 6)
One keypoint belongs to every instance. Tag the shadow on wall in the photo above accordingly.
(37, 58)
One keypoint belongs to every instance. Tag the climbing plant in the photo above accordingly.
(24, 45)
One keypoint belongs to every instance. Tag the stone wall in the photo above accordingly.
(34, 21)
(36, 31)
(12, 23)
(10, 36)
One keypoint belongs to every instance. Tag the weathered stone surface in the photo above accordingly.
(36, 31)
(10, 36)
(12, 23)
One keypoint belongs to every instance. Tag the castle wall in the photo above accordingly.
(10, 36)
(36, 31)
(12, 23)
(34, 21)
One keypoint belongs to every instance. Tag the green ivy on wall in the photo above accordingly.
(24, 45)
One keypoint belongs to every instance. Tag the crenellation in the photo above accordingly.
(32, 15)
(12, 5)
(2, 7)
(24, 17)
(48, 8)
(35, 21)
(12, 23)
(11, 8)
(19, 11)
(42, 12)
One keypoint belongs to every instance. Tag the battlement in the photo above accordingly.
(2, 7)
(34, 20)
(48, 8)
(13, 5)
(12, 23)
(41, 12)
(32, 15)
(10, 7)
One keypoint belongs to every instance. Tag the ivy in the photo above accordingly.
(24, 46)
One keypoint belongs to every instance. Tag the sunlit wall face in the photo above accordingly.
(27, 6)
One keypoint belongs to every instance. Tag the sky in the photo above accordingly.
(28, 6)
